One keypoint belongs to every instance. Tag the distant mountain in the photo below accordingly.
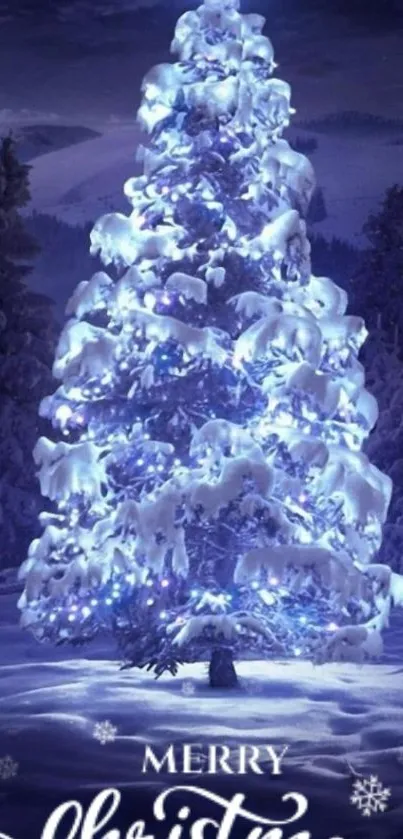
(36, 140)
(355, 125)
(80, 183)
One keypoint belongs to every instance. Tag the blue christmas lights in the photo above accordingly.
(214, 316)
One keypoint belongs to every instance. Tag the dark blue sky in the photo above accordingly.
(87, 57)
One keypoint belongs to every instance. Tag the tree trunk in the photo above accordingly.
(222, 672)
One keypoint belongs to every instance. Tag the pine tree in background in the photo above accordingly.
(26, 349)
(385, 381)
(377, 287)
(213, 501)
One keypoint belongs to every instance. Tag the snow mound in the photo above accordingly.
(331, 717)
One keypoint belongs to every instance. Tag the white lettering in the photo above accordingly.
(169, 757)
(188, 757)
(55, 818)
(276, 759)
(92, 823)
(251, 761)
(222, 760)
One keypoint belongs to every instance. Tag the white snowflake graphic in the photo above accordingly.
(370, 796)
(188, 688)
(105, 732)
(8, 768)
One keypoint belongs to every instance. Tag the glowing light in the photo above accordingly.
(332, 627)
(75, 393)
(297, 652)
(273, 581)
(149, 301)
(163, 615)
(282, 418)
(151, 91)
(164, 583)
(267, 597)
(63, 413)
(150, 601)
(86, 611)
(108, 601)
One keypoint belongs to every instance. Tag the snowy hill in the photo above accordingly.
(79, 183)
(36, 140)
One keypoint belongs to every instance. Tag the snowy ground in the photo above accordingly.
(51, 700)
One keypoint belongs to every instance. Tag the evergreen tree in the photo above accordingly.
(213, 500)
(25, 362)
(378, 285)
(317, 209)
(384, 445)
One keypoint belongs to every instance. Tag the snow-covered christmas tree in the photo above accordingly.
(213, 501)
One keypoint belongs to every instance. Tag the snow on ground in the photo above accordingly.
(79, 183)
(330, 717)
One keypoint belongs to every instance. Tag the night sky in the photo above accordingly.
(84, 60)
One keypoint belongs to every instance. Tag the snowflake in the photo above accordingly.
(188, 688)
(105, 732)
(370, 796)
(8, 768)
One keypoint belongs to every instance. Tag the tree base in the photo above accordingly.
(222, 672)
